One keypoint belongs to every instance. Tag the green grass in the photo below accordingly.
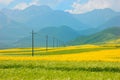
(56, 70)
(51, 70)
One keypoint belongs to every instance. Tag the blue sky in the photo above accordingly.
(71, 6)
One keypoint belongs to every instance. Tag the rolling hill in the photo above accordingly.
(62, 33)
(106, 35)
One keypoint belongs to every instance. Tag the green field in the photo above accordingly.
(12, 67)
(52, 70)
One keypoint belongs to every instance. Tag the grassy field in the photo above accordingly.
(56, 70)
(88, 62)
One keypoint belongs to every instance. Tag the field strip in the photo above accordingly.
(103, 55)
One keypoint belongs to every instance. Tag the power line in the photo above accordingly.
(55, 42)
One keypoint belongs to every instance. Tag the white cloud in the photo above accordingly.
(94, 4)
(5, 2)
(23, 5)
(52, 4)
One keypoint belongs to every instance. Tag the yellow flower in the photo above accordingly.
(102, 55)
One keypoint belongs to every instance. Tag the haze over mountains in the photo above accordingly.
(17, 24)
(97, 17)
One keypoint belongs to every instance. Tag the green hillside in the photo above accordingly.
(61, 33)
(100, 37)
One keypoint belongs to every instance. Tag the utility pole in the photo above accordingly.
(53, 42)
(57, 43)
(47, 43)
(33, 43)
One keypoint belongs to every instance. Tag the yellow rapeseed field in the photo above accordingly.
(102, 55)
(27, 50)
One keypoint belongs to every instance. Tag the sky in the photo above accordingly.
(71, 6)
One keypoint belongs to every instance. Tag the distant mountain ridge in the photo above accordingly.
(97, 17)
(62, 33)
(10, 30)
(38, 17)
(115, 21)
(109, 34)
(33, 17)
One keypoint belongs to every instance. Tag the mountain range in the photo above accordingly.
(61, 33)
(97, 17)
(15, 25)
(38, 17)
